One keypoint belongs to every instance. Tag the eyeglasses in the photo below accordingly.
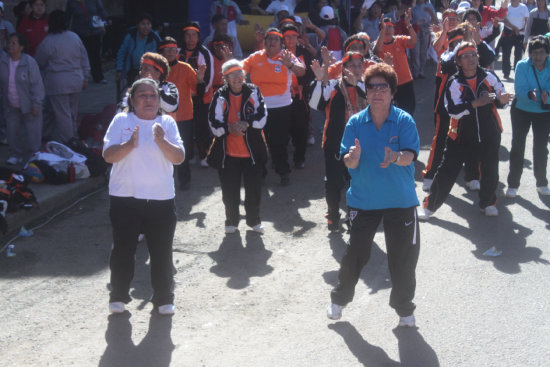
(469, 55)
(378, 87)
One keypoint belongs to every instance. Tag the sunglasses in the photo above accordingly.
(378, 87)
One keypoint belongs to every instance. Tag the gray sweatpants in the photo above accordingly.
(23, 131)
(419, 53)
(60, 118)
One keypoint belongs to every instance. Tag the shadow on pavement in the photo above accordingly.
(154, 350)
(413, 349)
(240, 263)
(367, 354)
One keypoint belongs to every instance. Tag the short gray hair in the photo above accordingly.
(231, 64)
(138, 83)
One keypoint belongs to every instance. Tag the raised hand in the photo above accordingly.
(200, 73)
(388, 58)
(318, 70)
(389, 157)
(505, 98)
(226, 53)
(286, 58)
(134, 138)
(327, 57)
(408, 17)
(349, 77)
(355, 151)
(158, 133)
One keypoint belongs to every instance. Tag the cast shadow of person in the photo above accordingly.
(240, 263)
(155, 349)
(186, 200)
(413, 349)
(375, 274)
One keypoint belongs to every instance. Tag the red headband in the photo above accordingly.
(168, 45)
(234, 68)
(468, 48)
(290, 32)
(389, 24)
(449, 14)
(274, 33)
(287, 20)
(152, 63)
(351, 57)
(192, 28)
(354, 41)
(456, 38)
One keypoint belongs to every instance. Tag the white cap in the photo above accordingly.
(463, 6)
(297, 19)
(327, 13)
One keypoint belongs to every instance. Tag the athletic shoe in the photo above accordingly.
(427, 184)
(141, 237)
(511, 192)
(116, 307)
(490, 211)
(167, 309)
(473, 185)
(407, 321)
(334, 311)
(258, 228)
(13, 161)
(311, 140)
(230, 229)
(543, 190)
(424, 214)
(204, 164)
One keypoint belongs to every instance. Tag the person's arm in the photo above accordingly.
(441, 37)
(318, 31)
(169, 97)
(258, 118)
(412, 34)
(528, 26)
(358, 22)
(37, 86)
(116, 152)
(173, 152)
(486, 54)
(216, 116)
(292, 63)
(378, 45)
(351, 158)
(122, 54)
(524, 91)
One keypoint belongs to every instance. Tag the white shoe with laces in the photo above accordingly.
(473, 185)
(424, 214)
(543, 190)
(490, 211)
(258, 228)
(230, 229)
(204, 164)
(407, 321)
(116, 307)
(511, 192)
(334, 311)
(169, 309)
(427, 184)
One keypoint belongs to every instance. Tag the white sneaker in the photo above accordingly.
(167, 309)
(141, 237)
(424, 214)
(230, 229)
(258, 228)
(204, 163)
(473, 185)
(116, 307)
(426, 184)
(543, 190)
(334, 311)
(311, 140)
(407, 321)
(490, 211)
(13, 161)
(511, 192)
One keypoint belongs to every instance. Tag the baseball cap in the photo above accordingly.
(327, 13)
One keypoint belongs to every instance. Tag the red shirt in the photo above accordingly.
(35, 30)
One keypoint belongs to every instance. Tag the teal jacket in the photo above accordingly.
(127, 58)
(525, 81)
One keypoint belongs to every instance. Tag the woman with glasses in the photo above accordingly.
(379, 146)
(531, 108)
(471, 95)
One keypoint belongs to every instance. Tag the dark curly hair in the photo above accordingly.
(382, 70)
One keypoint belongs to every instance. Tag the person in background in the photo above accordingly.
(23, 93)
(512, 35)
(368, 20)
(231, 12)
(310, 40)
(277, 5)
(196, 54)
(87, 19)
(188, 82)
(537, 23)
(22, 9)
(220, 47)
(531, 108)
(379, 147)
(219, 24)
(237, 117)
(341, 98)
(6, 28)
(356, 43)
(423, 16)
(335, 36)
(396, 46)
(142, 143)
(137, 41)
(35, 25)
(64, 64)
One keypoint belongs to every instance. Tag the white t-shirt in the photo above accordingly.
(13, 96)
(518, 16)
(144, 173)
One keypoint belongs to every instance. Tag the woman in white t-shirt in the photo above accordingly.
(512, 36)
(143, 147)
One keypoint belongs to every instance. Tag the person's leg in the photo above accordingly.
(184, 170)
(403, 246)
(521, 123)
(488, 158)
(33, 130)
(362, 231)
(438, 145)
(541, 129)
(159, 228)
(126, 218)
(14, 125)
(63, 117)
(252, 179)
(415, 56)
(424, 46)
(277, 134)
(404, 97)
(93, 48)
(334, 183)
(506, 44)
(230, 180)
(299, 130)
(204, 136)
(518, 50)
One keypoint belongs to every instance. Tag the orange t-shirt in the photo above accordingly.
(400, 62)
(473, 84)
(352, 93)
(235, 146)
(335, 70)
(185, 79)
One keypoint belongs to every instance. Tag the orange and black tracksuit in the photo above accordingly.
(472, 130)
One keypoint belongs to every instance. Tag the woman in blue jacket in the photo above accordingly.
(531, 107)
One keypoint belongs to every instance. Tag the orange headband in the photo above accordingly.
(290, 32)
(456, 38)
(192, 28)
(389, 24)
(152, 63)
(469, 48)
(234, 68)
(274, 33)
(168, 45)
(353, 57)
(354, 41)
(449, 14)
(287, 20)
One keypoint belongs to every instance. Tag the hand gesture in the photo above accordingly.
(533, 95)
(389, 157)
(226, 53)
(446, 25)
(303, 40)
(134, 138)
(355, 151)
(259, 32)
(307, 22)
(505, 98)
(158, 133)
(318, 70)
(327, 57)
(200, 73)
(349, 77)
(484, 99)
(388, 59)
(363, 12)
(435, 28)
(286, 58)
(407, 17)
(382, 25)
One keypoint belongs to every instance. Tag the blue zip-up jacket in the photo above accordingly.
(28, 82)
(125, 60)
(524, 81)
